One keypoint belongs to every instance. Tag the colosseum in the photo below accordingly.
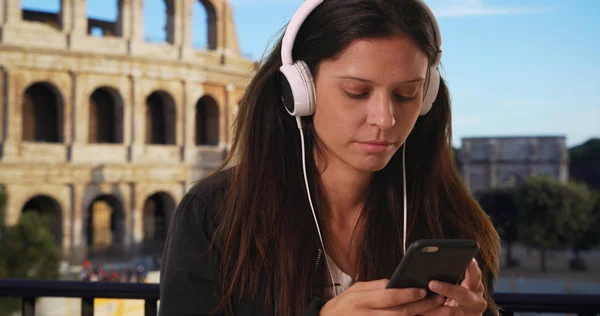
(103, 131)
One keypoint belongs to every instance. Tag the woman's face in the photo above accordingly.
(368, 100)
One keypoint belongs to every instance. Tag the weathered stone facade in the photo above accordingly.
(490, 162)
(106, 134)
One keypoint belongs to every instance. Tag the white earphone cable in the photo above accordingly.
(299, 122)
(404, 197)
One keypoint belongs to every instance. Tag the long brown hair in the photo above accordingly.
(266, 232)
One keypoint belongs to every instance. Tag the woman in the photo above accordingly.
(244, 241)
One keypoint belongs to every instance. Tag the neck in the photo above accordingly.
(344, 193)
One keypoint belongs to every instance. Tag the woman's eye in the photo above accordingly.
(356, 96)
(403, 98)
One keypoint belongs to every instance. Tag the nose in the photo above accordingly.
(381, 112)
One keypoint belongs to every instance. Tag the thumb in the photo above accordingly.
(369, 285)
(472, 276)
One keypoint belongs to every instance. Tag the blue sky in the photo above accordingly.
(514, 67)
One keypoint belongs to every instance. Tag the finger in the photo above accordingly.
(415, 308)
(421, 306)
(446, 310)
(473, 275)
(386, 298)
(370, 285)
(456, 292)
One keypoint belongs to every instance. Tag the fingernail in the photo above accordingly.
(422, 293)
(435, 285)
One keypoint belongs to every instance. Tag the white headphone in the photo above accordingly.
(298, 88)
(299, 97)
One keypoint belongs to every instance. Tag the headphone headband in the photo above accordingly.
(297, 84)
(293, 27)
(309, 6)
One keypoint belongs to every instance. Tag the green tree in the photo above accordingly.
(501, 206)
(553, 214)
(28, 251)
(589, 238)
(584, 162)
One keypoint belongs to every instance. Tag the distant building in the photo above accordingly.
(490, 162)
(104, 132)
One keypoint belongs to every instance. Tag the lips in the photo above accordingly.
(376, 146)
(377, 142)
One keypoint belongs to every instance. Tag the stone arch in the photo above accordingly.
(105, 223)
(204, 17)
(103, 23)
(106, 113)
(47, 12)
(156, 32)
(43, 113)
(157, 212)
(161, 118)
(50, 209)
(207, 121)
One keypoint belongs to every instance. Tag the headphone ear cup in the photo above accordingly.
(309, 88)
(297, 89)
(432, 86)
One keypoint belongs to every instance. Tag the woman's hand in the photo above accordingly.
(464, 299)
(372, 298)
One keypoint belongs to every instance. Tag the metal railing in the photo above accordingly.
(30, 290)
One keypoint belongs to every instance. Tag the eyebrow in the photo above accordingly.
(370, 81)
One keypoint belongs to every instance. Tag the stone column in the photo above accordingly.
(66, 15)
(137, 20)
(186, 23)
(12, 131)
(2, 12)
(80, 115)
(189, 119)
(3, 103)
(13, 210)
(228, 41)
(185, 49)
(67, 221)
(79, 220)
(137, 233)
(138, 119)
(11, 13)
(74, 17)
(124, 18)
(174, 21)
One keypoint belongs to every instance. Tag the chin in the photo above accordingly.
(372, 164)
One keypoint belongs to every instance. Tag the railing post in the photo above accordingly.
(150, 307)
(87, 306)
(28, 306)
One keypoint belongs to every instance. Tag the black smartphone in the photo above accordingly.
(433, 259)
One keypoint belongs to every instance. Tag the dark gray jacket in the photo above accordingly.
(188, 275)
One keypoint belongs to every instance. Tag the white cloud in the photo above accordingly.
(464, 8)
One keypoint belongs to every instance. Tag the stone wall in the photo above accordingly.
(72, 64)
(506, 161)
